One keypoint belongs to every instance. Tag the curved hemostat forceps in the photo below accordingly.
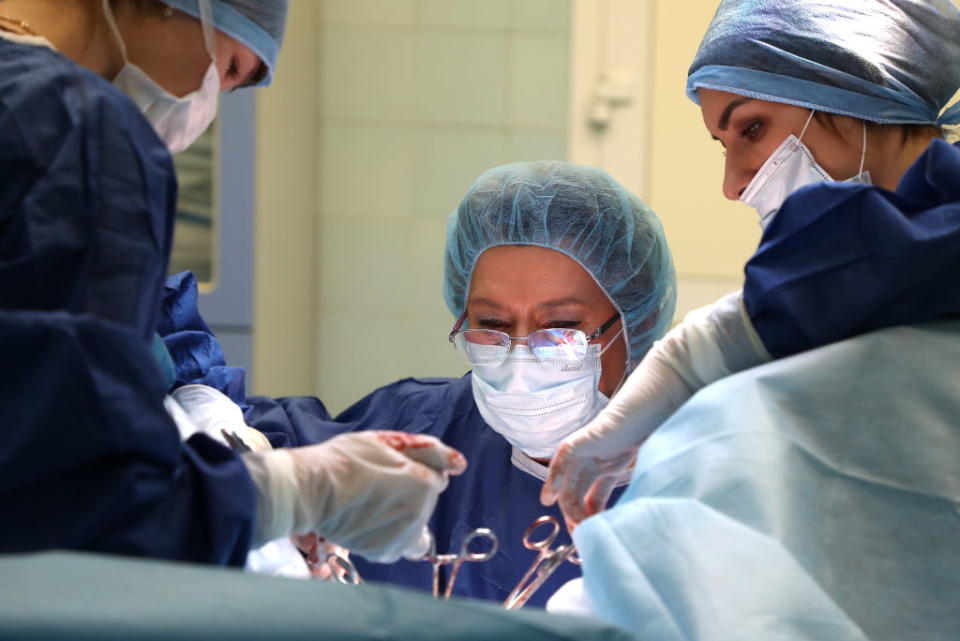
(458, 559)
(342, 570)
(546, 563)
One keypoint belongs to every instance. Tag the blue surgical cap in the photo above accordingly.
(258, 24)
(886, 61)
(581, 212)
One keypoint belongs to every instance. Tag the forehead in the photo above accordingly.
(717, 106)
(528, 275)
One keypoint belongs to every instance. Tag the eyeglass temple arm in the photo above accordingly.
(599, 331)
(457, 326)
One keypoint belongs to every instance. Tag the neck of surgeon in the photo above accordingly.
(76, 28)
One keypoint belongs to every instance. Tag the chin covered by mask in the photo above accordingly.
(178, 121)
(535, 404)
(790, 167)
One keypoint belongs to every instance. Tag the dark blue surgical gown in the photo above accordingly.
(840, 260)
(492, 493)
(89, 459)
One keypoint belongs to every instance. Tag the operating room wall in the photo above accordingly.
(629, 114)
(711, 237)
(413, 99)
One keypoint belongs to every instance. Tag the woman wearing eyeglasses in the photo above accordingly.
(559, 280)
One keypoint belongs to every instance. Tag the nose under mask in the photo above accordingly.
(790, 167)
(177, 121)
(533, 404)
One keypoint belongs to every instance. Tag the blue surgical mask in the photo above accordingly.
(535, 404)
(789, 168)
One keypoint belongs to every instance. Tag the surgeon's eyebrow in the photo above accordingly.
(561, 302)
(724, 121)
(484, 301)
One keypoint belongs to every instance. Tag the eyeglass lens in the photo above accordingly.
(484, 346)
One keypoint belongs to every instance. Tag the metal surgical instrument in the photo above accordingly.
(456, 560)
(234, 441)
(342, 569)
(547, 561)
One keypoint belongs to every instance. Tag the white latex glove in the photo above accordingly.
(212, 411)
(370, 492)
(710, 343)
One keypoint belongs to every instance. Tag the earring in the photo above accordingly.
(168, 12)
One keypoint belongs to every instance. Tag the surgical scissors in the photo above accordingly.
(546, 563)
(456, 560)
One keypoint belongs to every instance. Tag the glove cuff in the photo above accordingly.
(274, 474)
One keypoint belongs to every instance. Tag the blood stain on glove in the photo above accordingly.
(401, 441)
(445, 459)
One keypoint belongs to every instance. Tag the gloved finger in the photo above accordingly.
(598, 494)
(425, 449)
(419, 547)
(556, 475)
(571, 497)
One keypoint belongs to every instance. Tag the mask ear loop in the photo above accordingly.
(610, 342)
(206, 23)
(863, 153)
(626, 366)
(112, 23)
(807, 124)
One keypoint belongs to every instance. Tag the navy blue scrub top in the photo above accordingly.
(89, 458)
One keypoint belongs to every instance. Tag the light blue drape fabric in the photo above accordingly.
(815, 497)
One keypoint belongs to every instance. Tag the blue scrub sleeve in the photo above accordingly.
(841, 260)
(89, 459)
(196, 353)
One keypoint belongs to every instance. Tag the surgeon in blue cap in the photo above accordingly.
(94, 97)
(558, 280)
(795, 444)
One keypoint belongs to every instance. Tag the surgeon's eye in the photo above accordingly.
(563, 324)
(752, 131)
(493, 323)
(233, 70)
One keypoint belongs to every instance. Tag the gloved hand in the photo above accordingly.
(211, 411)
(370, 492)
(710, 343)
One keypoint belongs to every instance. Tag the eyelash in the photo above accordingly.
(753, 127)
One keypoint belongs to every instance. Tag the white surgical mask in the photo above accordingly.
(789, 168)
(178, 121)
(535, 404)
